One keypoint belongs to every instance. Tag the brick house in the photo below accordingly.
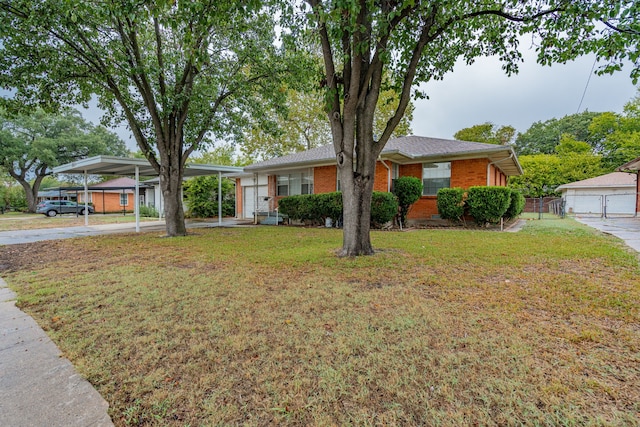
(439, 163)
(116, 195)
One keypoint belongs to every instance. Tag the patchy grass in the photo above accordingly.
(263, 326)
(21, 221)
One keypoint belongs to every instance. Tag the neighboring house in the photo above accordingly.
(116, 195)
(615, 193)
(58, 194)
(439, 163)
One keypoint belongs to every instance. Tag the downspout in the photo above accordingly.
(255, 198)
(388, 173)
(389, 184)
(494, 163)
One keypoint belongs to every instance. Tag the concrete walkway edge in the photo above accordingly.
(38, 387)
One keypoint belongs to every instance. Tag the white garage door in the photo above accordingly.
(620, 204)
(585, 204)
(249, 200)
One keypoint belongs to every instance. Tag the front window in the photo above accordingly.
(283, 185)
(435, 176)
(124, 199)
(295, 183)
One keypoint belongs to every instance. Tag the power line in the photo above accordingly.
(587, 85)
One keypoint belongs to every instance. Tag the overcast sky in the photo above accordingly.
(482, 93)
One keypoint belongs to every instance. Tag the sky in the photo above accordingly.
(482, 92)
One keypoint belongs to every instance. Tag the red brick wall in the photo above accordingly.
(464, 174)
(381, 179)
(325, 179)
(467, 173)
(110, 203)
(272, 185)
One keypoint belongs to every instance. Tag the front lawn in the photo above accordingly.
(23, 221)
(263, 326)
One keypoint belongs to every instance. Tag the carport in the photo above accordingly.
(124, 166)
(633, 167)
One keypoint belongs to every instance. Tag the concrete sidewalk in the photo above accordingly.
(41, 234)
(38, 387)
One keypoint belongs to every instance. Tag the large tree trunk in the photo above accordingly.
(356, 201)
(171, 187)
(31, 192)
(357, 191)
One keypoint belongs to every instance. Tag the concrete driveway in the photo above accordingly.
(627, 229)
(37, 235)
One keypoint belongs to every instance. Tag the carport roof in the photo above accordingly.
(633, 165)
(110, 165)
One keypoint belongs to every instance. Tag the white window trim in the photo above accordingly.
(309, 173)
(424, 194)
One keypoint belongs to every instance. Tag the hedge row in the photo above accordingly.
(484, 204)
(317, 208)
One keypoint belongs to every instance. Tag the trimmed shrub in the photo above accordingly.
(148, 211)
(319, 207)
(384, 206)
(408, 190)
(516, 205)
(329, 205)
(488, 204)
(298, 207)
(451, 203)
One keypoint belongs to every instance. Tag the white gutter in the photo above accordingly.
(494, 163)
(388, 173)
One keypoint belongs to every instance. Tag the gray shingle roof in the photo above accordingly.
(407, 149)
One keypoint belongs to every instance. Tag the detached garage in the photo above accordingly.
(614, 194)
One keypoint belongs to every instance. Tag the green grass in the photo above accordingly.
(21, 221)
(263, 326)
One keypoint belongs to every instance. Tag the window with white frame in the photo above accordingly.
(295, 183)
(395, 171)
(434, 177)
(124, 199)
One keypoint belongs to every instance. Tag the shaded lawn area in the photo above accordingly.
(22, 221)
(262, 326)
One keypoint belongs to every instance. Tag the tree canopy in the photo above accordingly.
(617, 136)
(487, 133)
(32, 144)
(543, 173)
(543, 137)
(304, 125)
(180, 74)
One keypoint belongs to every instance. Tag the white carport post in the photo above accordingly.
(136, 201)
(86, 200)
(219, 199)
